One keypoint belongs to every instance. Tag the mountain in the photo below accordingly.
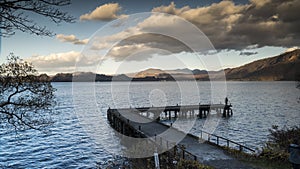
(80, 77)
(180, 71)
(199, 72)
(148, 73)
(62, 77)
(281, 67)
(178, 74)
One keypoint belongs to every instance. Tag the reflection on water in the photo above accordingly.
(256, 107)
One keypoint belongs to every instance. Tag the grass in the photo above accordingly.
(258, 161)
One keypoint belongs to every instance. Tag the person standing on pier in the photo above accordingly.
(226, 101)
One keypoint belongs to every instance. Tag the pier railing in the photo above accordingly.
(171, 147)
(217, 140)
(211, 138)
(166, 146)
(158, 142)
(177, 149)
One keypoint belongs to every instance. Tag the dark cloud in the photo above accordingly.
(232, 26)
(157, 41)
(228, 26)
(248, 53)
(142, 46)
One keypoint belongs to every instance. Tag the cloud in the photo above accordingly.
(71, 39)
(138, 38)
(248, 53)
(64, 62)
(227, 25)
(104, 12)
(236, 26)
(144, 42)
(129, 52)
(54, 60)
(141, 47)
(260, 3)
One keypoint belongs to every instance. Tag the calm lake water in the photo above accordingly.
(81, 136)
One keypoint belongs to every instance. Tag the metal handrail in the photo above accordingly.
(241, 147)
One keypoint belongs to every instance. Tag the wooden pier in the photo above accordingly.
(144, 122)
(170, 112)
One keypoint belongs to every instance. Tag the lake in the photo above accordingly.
(81, 136)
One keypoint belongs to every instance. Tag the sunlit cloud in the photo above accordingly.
(54, 60)
(64, 62)
(72, 39)
(104, 12)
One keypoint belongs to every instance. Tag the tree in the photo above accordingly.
(26, 100)
(14, 15)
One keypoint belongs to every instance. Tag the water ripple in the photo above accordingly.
(257, 106)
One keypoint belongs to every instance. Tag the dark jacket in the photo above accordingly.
(294, 151)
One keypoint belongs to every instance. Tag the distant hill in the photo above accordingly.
(282, 67)
(157, 72)
(177, 74)
(285, 66)
(148, 72)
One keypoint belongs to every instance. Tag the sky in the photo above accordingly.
(113, 37)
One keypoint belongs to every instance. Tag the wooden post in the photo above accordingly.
(167, 144)
(200, 113)
(175, 149)
(160, 141)
(122, 127)
(114, 122)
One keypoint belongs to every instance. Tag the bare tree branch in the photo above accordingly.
(14, 15)
(25, 100)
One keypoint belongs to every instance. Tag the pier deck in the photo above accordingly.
(182, 110)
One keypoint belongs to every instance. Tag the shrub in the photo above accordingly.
(276, 147)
